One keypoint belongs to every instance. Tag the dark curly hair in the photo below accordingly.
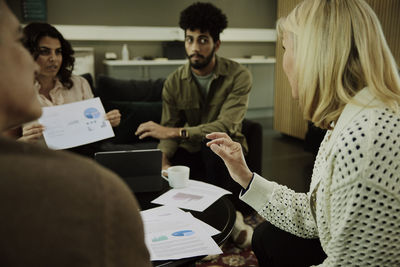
(35, 31)
(205, 17)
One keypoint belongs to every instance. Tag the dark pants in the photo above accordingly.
(275, 247)
(206, 166)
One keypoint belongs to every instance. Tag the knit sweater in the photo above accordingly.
(353, 204)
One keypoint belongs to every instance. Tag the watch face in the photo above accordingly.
(184, 133)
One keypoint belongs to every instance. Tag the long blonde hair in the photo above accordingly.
(339, 49)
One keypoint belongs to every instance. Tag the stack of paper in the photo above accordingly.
(171, 233)
(196, 196)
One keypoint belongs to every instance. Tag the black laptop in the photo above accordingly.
(140, 169)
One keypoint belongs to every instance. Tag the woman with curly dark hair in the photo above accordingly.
(37, 32)
(55, 82)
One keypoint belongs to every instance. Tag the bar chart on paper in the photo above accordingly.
(197, 196)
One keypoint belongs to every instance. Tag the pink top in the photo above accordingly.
(60, 95)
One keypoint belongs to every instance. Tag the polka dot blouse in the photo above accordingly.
(353, 204)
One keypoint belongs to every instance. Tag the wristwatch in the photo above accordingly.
(184, 133)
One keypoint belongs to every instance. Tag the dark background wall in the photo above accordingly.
(241, 13)
(165, 13)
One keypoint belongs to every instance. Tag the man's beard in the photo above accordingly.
(203, 64)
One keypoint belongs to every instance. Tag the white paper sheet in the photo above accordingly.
(75, 124)
(196, 196)
(208, 228)
(160, 213)
(167, 212)
(171, 234)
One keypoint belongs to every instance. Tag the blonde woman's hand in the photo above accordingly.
(32, 133)
(232, 155)
(114, 117)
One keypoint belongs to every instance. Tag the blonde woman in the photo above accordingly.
(345, 79)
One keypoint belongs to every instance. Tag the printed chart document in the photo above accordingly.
(160, 213)
(196, 196)
(168, 212)
(171, 234)
(75, 124)
(208, 228)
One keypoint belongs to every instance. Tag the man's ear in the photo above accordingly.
(217, 44)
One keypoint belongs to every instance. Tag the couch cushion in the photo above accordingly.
(112, 89)
(132, 115)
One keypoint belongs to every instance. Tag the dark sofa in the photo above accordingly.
(140, 101)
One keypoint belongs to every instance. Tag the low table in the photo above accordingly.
(221, 215)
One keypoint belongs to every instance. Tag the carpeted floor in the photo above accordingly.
(233, 255)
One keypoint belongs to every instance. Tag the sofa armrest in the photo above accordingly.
(89, 79)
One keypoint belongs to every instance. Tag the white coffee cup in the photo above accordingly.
(177, 176)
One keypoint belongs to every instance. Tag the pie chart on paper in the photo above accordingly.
(183, 233)
(91, 113)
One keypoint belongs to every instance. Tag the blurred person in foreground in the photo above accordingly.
(345, 78)
(57, 209)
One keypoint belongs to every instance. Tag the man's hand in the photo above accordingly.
(114, 116)
(32, 133)
(232, 155)
(155, 130)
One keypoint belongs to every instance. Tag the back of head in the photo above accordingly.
(205, 17)
(34, 32)
(18, 102)
(339, 49)
(55, 209)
